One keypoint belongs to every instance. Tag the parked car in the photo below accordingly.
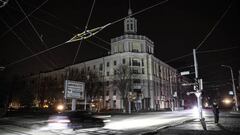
(75, 120)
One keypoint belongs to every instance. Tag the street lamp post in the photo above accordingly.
(233, 85)
(198, 87)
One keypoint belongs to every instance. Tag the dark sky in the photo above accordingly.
(176, 27)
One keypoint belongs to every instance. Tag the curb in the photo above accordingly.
(167, 126)
(234, 112)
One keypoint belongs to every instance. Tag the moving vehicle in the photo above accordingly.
(75, 120)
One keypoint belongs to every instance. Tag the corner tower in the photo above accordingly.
(130, 41)
(130, 23)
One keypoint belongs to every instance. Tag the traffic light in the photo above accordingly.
(198, 85)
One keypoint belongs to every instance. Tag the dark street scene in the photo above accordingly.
(119, 67)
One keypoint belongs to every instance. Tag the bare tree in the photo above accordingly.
(123, 81)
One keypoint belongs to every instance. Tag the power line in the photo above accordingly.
(106, 42)
(45, 22)
(218, 50)
(36, 54)
(202, 52)
(213, 28)
(180, 57)
(23, 43)
(86, 27)
(98, 45)
(61, 44)
(12, 27)
(138, 12)
(33, 27)
(35, 30)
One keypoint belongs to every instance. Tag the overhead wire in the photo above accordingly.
(12, 27)
(44, 21)
(23, 43)
(61, 44)
(202, 52)
(214, 27)
(36, 54)
(33, 27)
(140, 11)
(205, 38)
(48, 59)
(97, 45)
(180, 57)
(218, 50)
(36, 32)
(86, 27)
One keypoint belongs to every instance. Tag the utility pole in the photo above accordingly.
(198, 86)
(233, 85)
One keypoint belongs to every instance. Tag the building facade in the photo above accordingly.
(154, 83)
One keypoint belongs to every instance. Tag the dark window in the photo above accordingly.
(123, 61)
(107, 83)
(115, 72)
(107, 73)
(88, 68)
(114, 104)
(101, 67)
(107, 64)
(131, 26)
(107, 93)
(135, 71)
(142, 62)
(127, 26)
(114, 92)
(136, 81)
(94, 67)
(115, 62)
(143, 71)
(135, 63)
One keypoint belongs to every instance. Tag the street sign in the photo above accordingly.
(74, 90)
(185, 73)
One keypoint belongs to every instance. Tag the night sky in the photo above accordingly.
(176, 27)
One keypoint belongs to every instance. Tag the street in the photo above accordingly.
(176, 122)
(120, 124)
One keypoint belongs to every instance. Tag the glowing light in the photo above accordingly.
(227, 101)
(60, 107)
(45, 106)
(206, 104)
(195, 112)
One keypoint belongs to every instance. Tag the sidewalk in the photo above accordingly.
(228, 125)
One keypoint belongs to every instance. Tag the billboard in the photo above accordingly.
(74, 90)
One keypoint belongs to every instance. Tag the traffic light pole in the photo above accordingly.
(198, 84)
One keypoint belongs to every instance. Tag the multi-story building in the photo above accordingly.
(153, 81)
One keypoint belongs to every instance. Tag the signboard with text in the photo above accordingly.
(74, 90)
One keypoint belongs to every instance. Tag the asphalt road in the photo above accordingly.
(120, 124)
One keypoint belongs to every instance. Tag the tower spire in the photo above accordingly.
(130, 23)
(129, 8)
